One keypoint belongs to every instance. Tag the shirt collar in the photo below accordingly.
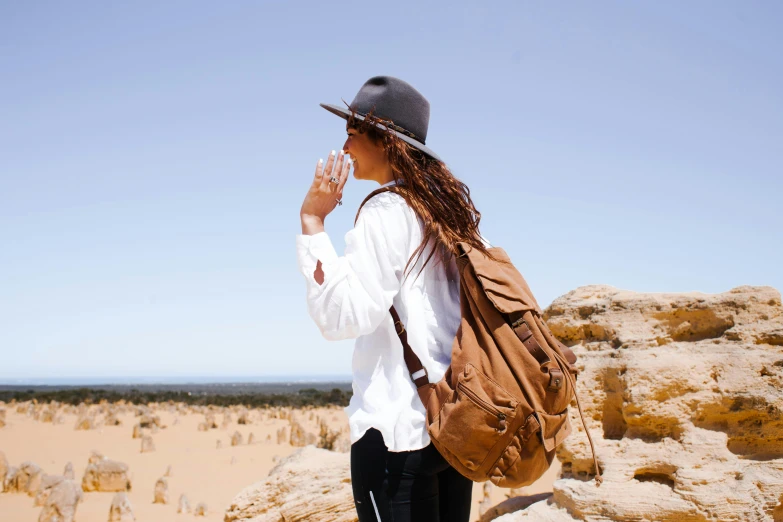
(392, 182)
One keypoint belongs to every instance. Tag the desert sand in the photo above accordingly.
(201, 470)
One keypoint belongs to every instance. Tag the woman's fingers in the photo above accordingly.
(319, 171)
(343, 176)
(328, 171)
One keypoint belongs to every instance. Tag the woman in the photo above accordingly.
(412, 228)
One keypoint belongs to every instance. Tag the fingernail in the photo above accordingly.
(320, 160)
(331, 153)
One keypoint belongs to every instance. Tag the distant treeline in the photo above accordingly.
(75, 396)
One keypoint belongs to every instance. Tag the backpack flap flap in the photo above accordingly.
(502, 283)
(554, 428)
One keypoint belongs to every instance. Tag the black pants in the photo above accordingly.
(406, 486)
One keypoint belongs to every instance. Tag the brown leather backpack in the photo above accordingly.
(502, 407)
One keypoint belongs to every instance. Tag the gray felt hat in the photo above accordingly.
(393, 99)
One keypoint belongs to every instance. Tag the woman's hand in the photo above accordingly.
(324, 194)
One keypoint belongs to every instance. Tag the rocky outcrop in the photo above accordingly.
(161, 491)
(48, 482)
(61, 504)
(683, 394)
(183, 506)
(3, 471)
(147, 444)
(121, 509)
(26, 479)
(310, 484)
(106, 475)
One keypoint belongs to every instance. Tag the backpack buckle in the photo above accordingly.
(519, 322)
(400, 329)
(556, 378)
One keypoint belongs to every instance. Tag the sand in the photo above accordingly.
(199, 470)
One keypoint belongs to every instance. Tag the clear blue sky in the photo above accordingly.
(154, 156)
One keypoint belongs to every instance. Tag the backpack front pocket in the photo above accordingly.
(477, 420)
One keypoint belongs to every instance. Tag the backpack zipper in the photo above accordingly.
(481, 403)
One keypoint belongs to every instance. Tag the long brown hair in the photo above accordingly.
(440, 200)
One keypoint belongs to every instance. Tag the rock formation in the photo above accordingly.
(106, 475)
(243, 417)
(121, 509)
(683, 394)
(298, 438)
(147, 444)
(236, 439)
(48, 482)
(201, 510)
(68, 472)
(183, 506)
(3, 471)
(161, 491)
(26, 479)
(310, 484)
(61, 504)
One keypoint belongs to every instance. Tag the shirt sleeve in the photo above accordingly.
(358, 287)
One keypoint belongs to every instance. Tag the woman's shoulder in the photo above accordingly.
(386, 205)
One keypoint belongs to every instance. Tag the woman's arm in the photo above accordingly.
(351, 295)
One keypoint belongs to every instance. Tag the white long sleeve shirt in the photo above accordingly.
(354, 301)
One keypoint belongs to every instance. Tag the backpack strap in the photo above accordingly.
(417, 371)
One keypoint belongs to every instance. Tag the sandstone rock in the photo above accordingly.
(243, 417)
(310, 484)
(47, 415)
(86, 422)
(26, 479)
(513, 504)
(137, 433)
(3, 471)
(683, 394)
(62, 502)
(236, 439)
(2, 417)
(95, 457)
(106, 475)
(327, 438)
(486, 502)
(201, 510)
(168, 472)
(147, 444)
(149, 421)
(68, 472)
(48, 482)
(183, 506)
(282, 437)
(121, 509)
(298, 437)
(161, 491)
(251, 438)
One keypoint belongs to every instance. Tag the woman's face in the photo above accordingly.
(369, 159)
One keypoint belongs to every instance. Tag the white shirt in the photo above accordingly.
(353, 303)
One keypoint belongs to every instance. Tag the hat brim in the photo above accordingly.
(345, 114)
